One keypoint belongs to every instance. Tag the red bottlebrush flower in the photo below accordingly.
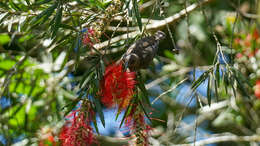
(237, 41)
(239, 55)
(247, 41)
(46, 136)
(256, 34)
(257, 89)
(135, 121)
(77, 132)
(47, 141)
(89, 37)
(117, 86)
(253, 53)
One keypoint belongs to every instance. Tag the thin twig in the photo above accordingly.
(224, 138)
(157, 25)
(174, 87)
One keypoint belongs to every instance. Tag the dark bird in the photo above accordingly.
(140, 54)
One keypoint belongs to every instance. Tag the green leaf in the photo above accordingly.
(33, 85)
(57, 21)
(4, 39)
(102, 64)
(46, 13)
(82, 3)
(28, 2)
(3, 16)
(17, 115)
(202, 78)
(70, 106)
(141, 86)
(87, 76)
(98, 4)
(241, 87)
(169, 54)
(77, 47)
(137, 14)
(217, 73)
(146, 114)
(240, 76)
(68, 27)
(216, 89)
(14, 5)
(99, 110)
(208, 90)
(127, 112)
(95, 124)
(3, 5)
(226, 81)
(40, 2)
(232, 83)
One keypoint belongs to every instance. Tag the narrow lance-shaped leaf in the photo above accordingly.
(141, 86)
(3, 16)
(68, 27)
(216, 89)
(240, 86)
(226, 81)
(217, 73)
(240, 76)
(33, 86)
(42, 2)
(70, 106)
(129, 109)
(98, 4)
(127, 112)
(99, 110)
(137, 14)
(58, 18)
(88, 80)
(3, 5)
(14, 5)
(95, 123)
(146, 114)
(232, 83)
(208, 90)
(28, 2)
(86, 75)
(200, 80)
(77, 47)
(10, 24)
(102, 67)
(82, 3)
(46, 13)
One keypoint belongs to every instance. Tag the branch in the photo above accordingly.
(155, 25)
(225, 138)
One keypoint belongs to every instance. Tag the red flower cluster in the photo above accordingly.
(117, 86)
(78, 131)
(247, 44)
(89, 37)
(257, 89)
(135, 121)
(47, 141)
(46, 137)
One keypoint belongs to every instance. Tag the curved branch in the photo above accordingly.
(224, 138)
(156, 25)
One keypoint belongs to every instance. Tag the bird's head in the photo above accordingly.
(159, 35)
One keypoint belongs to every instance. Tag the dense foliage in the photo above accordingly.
(65, 78)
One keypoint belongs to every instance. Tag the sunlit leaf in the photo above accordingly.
(137, 14)
(57, 21)
(46, 13)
